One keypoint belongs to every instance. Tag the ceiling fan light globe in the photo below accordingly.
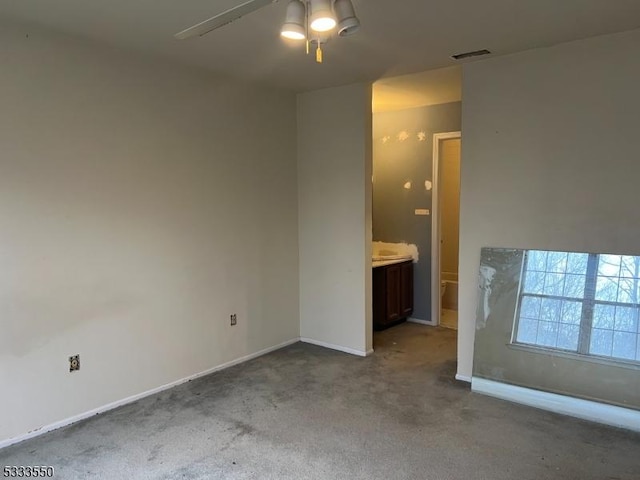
(323, 24)
(348, 23)
(321, 18)
(348, 26)
(293, 31)
(295, 20)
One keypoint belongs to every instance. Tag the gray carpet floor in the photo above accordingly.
(305, 412)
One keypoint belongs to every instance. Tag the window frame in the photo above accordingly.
(589, 303)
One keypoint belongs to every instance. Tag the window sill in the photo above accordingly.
(632, 365)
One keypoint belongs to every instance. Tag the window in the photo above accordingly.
(582, 303)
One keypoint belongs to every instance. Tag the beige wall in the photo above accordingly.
(450, 204)
(550, 157)
(140, 205)
(334, 184)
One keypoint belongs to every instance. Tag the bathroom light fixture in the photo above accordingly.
(314, 20)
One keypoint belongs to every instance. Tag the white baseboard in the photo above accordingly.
(340, 348)
(422, 322)
(575, 407)
(133, 398)
(463, 378)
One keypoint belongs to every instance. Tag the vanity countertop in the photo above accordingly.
(390, 261)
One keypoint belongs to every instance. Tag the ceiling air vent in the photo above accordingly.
(476, 53)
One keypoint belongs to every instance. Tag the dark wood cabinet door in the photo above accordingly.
(392, 294)
(406, 289)
(394, 283)
(379, 297)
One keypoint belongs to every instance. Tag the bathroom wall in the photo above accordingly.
(449, 207)
(402, 163)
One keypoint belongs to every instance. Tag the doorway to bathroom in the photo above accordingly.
(407, 112)
(445, 229)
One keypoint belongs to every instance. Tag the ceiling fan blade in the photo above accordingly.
(223, 18)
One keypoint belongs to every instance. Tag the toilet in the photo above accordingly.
(449, 293)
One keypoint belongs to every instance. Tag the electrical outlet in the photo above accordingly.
(234, 319)
(74, 363)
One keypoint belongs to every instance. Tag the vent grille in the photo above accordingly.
(475, 53)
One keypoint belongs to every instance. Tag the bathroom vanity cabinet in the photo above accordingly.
(392, 293)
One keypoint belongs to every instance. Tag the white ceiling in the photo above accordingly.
(397, 37)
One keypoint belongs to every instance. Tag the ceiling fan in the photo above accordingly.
(223, 18)
(310, 20)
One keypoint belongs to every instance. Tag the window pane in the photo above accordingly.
(547, 334)
(601, 342)
(557, 262)
(630, 266)
(568, 337)
(628, 290)
(550, 310)
(624, 345)
(553, 284)
(577, 263)
(626, 319)
(536, 260)
(603, 316)
(571, 312)
(609, 265)
(534, 282)
(527, 330)
(530, 307)
(607, 289)
(554, 295)
(574, 286)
